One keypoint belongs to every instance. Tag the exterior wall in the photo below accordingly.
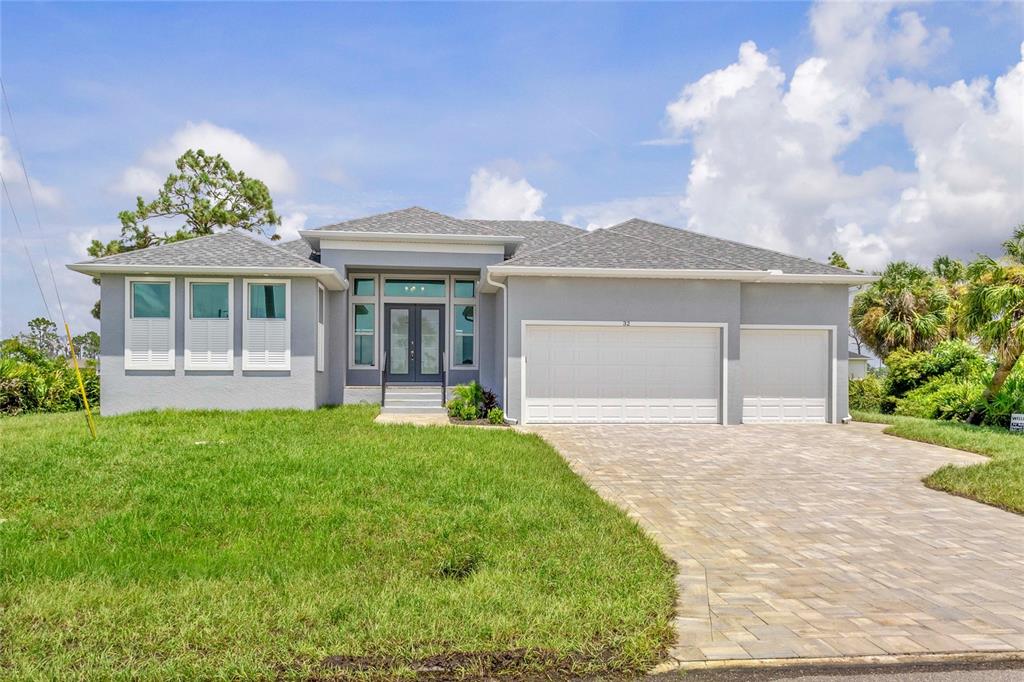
(858, 368)
(647, 300)
(132, 390)
(805, 304)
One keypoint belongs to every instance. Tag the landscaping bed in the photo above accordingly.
(999, 482)
(313, 544)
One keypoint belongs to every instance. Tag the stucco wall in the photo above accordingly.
(639, 300)
(805, 304)
(127, 391)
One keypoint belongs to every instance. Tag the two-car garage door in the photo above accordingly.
(618, 374)
(647, 373)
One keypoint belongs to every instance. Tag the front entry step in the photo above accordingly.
(413, 399)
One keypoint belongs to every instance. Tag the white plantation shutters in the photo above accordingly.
(266, 331)
(149, 323)
(209, 337)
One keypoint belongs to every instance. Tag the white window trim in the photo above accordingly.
(247, 364)
(230, 364)
(452, 302)
(321, 327)
(129, 316)
(377, 312)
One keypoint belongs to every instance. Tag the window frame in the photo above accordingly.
(230, 319)
(455, 301)
(363, 300)
(247, 319)
(129, 318)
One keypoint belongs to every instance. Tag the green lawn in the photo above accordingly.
(297, 544)
(999, 482)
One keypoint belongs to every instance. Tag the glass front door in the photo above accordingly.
(414, 339)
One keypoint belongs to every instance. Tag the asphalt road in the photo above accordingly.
(1012, 671)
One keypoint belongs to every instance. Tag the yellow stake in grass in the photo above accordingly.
(81, 384)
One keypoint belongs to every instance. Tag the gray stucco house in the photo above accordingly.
(638, 322)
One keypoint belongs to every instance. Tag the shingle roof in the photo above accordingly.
(231, 249)
(414, 220)
(300, 247)
(609, 249)
(740, 255)
(537, 234)
(853, 355)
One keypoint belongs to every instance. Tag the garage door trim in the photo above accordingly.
(833, 360)
(723, 349)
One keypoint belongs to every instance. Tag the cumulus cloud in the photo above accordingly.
(767, 147)
(663, 209)
(497, 196)
(14, 176)
(290, 225)
(243, 154)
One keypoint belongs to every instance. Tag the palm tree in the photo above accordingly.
(952, 274)
(905, 308)
(993, 311)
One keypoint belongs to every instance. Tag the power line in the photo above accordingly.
(24, 245)
(35, 207)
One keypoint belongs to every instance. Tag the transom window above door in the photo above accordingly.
(414, 288)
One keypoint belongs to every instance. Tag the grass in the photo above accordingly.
(297, 544)
(999, 482)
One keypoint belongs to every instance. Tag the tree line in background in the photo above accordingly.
(951, 337)
(36, 372)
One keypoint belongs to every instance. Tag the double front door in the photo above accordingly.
(413, 338)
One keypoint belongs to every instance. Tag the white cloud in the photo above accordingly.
(496, 196)
(14, 176)
(766, 166)
(596, 216)
(243, 154)
(290, 226)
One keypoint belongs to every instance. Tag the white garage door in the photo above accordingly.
(784, 375)
(609, 374)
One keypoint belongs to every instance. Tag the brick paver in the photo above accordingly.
(811, 541)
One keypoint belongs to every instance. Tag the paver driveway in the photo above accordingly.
(811, 541)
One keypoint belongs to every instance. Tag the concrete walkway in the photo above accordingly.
(811, 541)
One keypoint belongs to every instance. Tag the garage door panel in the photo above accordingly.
(646, 374)
(784, 375)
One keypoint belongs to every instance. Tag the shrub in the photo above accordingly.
(496, 415)
(455, 406)
(943, 397)
(471, 401)
(907, 370)
(866, 394)
(489, 402)
(471, 393)
(1009, 400)
(32, 382)
(467, 412)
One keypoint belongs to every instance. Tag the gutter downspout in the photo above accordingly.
(504, 343)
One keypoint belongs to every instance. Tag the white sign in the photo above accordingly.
(1017, 422)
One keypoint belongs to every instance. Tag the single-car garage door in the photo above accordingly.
(784, 375)
(608, 374)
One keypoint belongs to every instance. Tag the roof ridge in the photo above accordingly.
(691, 253)
(733, 241)
(445, 216)
(583, 233)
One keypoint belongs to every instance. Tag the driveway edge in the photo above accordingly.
(841, 661)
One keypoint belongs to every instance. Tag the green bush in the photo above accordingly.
(943, 397)
(1009, 400)
(471, 401)
(496, 415)
(468, 412)
(952, 360)
(32, 382)
(866, 394)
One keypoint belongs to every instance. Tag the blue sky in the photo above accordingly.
(554, 110)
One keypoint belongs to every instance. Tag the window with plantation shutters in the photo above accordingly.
(209, 330)
(149, 323)
(266, 329)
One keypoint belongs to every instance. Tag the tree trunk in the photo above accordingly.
(1003, 371)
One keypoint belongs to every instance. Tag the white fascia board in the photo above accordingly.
(329, 277)
(770, 276)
